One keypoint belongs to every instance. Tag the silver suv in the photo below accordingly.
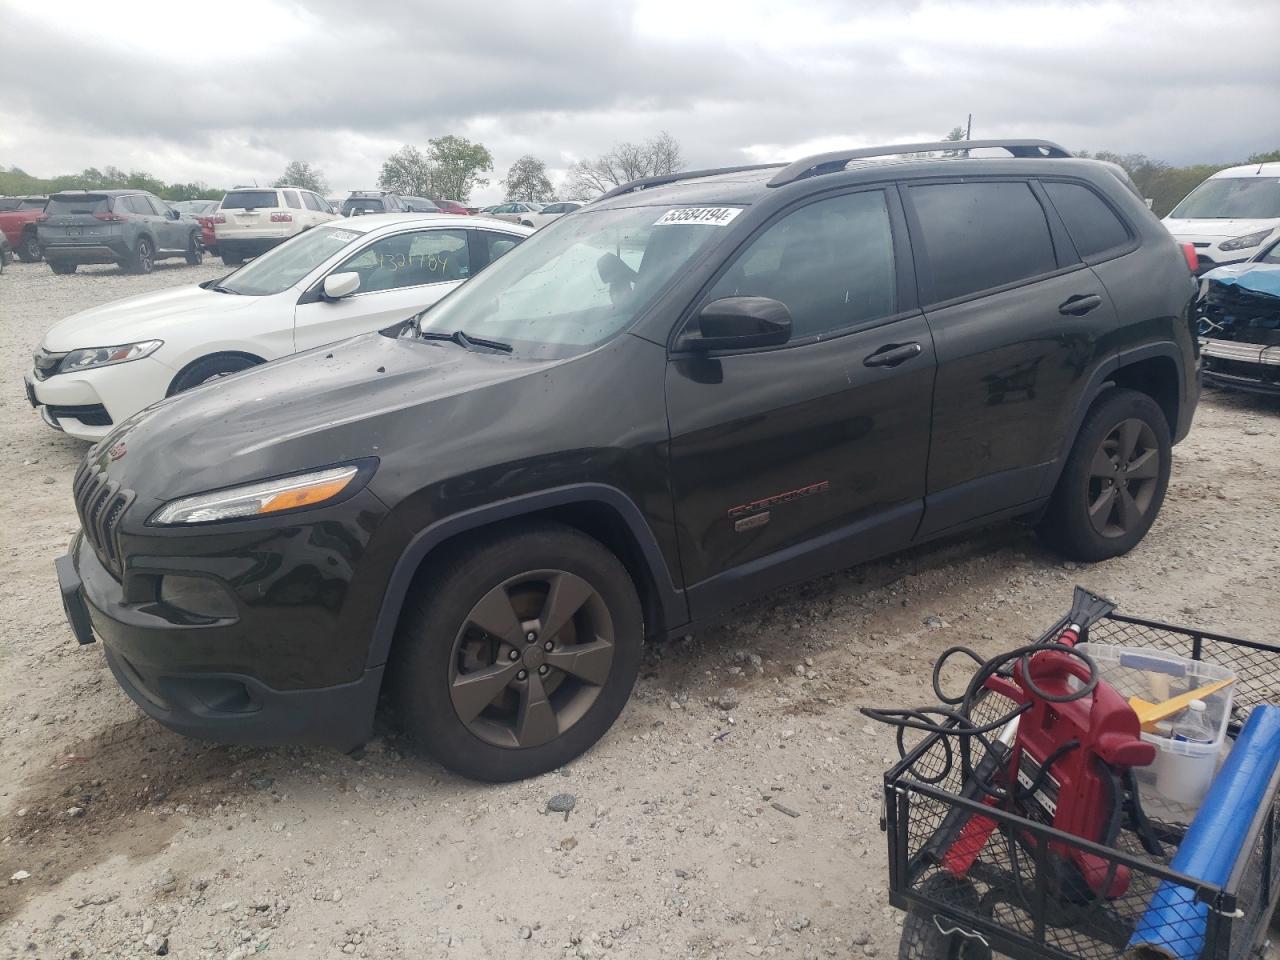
(129, 227)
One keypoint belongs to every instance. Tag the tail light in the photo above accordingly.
(109, 217)
(1189, 254)
(218, 219)
(282, 218)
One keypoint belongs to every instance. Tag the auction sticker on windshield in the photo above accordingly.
(711, 216)
(343, 235)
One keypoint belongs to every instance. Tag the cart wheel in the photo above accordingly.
(922, 935)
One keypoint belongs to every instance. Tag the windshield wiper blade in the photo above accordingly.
(219, 288)
(462, 340)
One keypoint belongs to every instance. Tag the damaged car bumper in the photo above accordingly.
(1239, 321)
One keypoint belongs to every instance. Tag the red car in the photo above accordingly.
(452, 206)
(18, 219)
(202, 211)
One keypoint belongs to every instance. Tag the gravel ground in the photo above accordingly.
(136, 842)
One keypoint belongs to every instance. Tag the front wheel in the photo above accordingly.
(208, 369)
(518, 654)
(1114, 481)
(929, 935)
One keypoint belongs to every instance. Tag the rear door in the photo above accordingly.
(78, 218)
(1019, 324)
(246, 213)
(791, 461)
(399, 275)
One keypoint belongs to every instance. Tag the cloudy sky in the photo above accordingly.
(230, 92)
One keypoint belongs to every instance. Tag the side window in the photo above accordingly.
(1092, 225)
(495, 245)
(830, 262)
(982, 235)
(139, 204)
(310, 200)
(410, 260)
(291, 198)
(158, 205)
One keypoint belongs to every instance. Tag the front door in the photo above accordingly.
(795, 460)
(1019, 323)
(399, 275)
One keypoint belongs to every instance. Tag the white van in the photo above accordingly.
(1229, 216)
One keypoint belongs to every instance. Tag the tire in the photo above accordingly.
(210, 368)
(921, 937)
(195, 252)
(28, 247)
(143, 258)
(1123, 446)
(526, 223)
(538, 715)
(62, 267)
(231, 258)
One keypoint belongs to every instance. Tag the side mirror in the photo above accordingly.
(174, 215)
(742, 322)
(339, 285)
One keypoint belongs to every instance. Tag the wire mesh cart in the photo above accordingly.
(1014, 899)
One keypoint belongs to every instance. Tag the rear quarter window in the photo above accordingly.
(978, 236)
(1092, 225)
(249, 199)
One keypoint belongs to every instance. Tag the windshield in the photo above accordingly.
(249, 199)
(281, 267)
(575, 284)
(1232, 198)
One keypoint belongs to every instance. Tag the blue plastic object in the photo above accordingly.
(1175, 922)
(1261, 278)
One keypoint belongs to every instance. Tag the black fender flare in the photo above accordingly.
(1099, 381)
(671, 600)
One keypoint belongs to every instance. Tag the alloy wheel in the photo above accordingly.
(531, 658)
(33, 247)
(1123, 478)
(144, 256)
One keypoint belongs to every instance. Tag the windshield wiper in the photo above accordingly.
(219, 288)
(462, 340)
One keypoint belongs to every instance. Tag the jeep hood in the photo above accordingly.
(328, 405)
(147, 316)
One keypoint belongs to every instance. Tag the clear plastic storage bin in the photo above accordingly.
(1173, 786)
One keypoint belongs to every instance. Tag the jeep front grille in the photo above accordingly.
(101, 503)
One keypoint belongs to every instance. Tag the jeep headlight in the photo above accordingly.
(259, 499)
(105, 356)
(1243, 243)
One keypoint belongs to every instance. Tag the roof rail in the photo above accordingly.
(821, 163)
(658, 181)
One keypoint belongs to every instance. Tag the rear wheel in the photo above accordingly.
(62, 267)
(143, 259)
(195, 252)
(1114, 480)
(208, 369)
(231, 258)
(28, 247)
(519, 654)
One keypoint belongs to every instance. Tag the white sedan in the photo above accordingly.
(100, 366)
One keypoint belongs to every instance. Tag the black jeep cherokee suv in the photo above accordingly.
(696, 389)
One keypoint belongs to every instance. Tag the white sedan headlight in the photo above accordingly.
(105, 356)
(1245, 242)
(259, 499)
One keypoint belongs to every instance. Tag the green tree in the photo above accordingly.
(408, 172)
(527, 180)
(300, 173)
(1271, 156)
(456, 165)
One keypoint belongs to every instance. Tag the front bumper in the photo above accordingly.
(86, 405)
(1245, 366)
(210, 702)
